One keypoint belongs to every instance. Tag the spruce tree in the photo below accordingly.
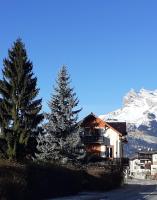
(63, 117)
(61, 127)
(19, 109)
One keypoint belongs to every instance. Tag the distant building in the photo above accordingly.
(144, 164)
(103, 139)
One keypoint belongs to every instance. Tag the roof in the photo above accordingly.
(134, 157)
(147, 152)
(89, 117)
(119, 126)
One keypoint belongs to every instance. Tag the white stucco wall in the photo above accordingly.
(136, 171)
(134, 165)
(103, 148)
(154, 159)
(115, 141)
(153, 169)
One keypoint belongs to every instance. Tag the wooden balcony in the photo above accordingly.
(96, 139)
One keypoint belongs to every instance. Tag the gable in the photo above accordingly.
(92, 121)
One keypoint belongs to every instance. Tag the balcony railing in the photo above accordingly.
(100, 139)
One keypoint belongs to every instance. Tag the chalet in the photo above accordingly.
(104, 139)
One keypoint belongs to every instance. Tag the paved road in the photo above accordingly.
(133, 190)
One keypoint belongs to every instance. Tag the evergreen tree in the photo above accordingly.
(19, 109)
(62, 121)
(63, 117)
(60, 150)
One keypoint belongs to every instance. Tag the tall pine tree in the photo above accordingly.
(19, 109)
(63, 117)
(61, 128)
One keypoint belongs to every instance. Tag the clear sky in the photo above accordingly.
(109, 46)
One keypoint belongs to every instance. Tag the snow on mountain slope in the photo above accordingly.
(138, 107)
(139, 110)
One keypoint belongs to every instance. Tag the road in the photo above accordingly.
(133, 190)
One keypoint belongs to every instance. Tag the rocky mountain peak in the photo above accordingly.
(143, 97)
(139, 110)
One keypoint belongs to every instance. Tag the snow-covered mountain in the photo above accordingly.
(139, 110)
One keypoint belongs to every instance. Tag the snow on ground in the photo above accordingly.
(141, 182)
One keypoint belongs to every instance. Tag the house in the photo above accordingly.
(144, 164)
(103, 139)
(154, 164)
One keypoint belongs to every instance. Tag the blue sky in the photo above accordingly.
(109, 46)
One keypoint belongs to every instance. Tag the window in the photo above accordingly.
(109, 152)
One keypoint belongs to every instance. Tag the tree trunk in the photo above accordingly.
(12, 151)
